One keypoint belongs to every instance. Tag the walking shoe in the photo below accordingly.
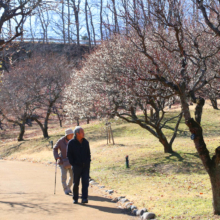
(75, 201)
(66, 191)
(84, 201)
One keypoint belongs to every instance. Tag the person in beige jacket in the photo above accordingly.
(62, 160)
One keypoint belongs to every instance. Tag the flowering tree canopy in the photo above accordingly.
(166, 52)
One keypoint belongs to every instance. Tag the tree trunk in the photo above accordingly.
(87, 120)
(22, 130)
(77, 122)
(63, 22)
(68, 5)
(87, 24)
(170, 13)
(215, 182)
(167, 146)
(31, 30)
(59, 118)
(45, 126)
(91, 21)
(108, 28)
(112, 135)
(77, 26)
(101, 20)
(76, 12)
(45, 132)
(134, 10)
(115, 17)
(214, 174)
(126, 17)
(214, 103)
(211, 165)
(198, 111)
(44, 129)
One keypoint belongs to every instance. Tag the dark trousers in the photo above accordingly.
(83, 173)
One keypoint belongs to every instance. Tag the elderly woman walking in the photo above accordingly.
(63, 161)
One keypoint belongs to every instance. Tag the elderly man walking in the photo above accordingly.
(78, 152)
(63, 161)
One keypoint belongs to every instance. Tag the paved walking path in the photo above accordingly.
(27, 192)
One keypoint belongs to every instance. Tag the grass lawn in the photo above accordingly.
(173, 186)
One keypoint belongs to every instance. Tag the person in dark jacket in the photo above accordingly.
(78, 153)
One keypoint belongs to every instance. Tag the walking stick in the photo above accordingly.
(55, 178)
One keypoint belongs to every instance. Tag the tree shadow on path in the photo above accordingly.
(24, 205)
(106, 208)
(100, 199)
(33, 207)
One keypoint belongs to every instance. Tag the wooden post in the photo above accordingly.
(127, 161)
(112, 134)
(107, 132)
